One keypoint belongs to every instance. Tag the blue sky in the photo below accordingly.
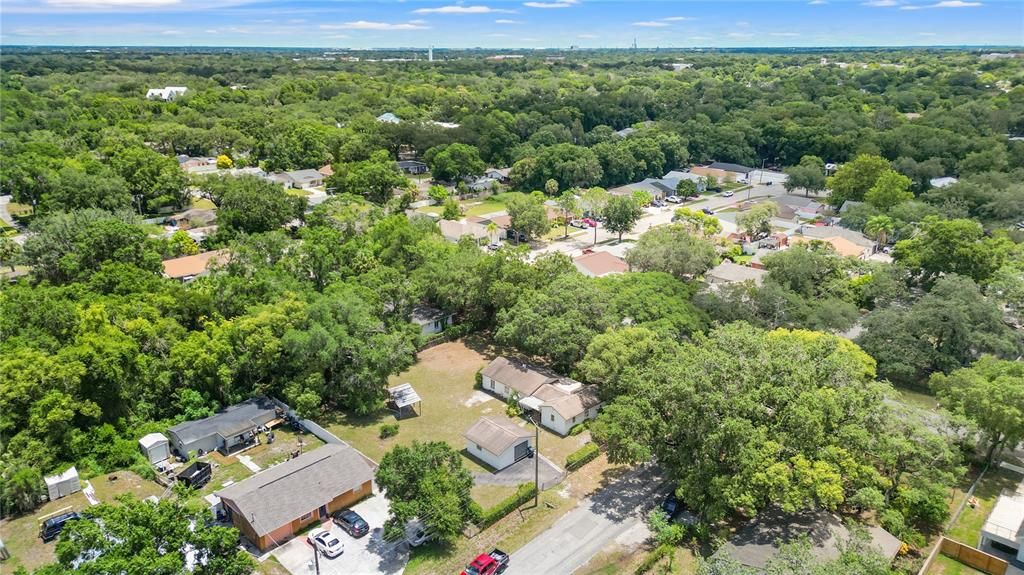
(504, 23)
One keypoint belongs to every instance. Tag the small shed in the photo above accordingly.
(155, 447)
(403, 400)
(63, 484)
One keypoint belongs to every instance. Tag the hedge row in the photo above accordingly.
(524, 493)
(582, 456)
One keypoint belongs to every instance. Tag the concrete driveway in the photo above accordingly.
(615, 513)
(369, 555)
(522, 472)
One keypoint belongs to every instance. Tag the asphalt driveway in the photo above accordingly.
(522, 471)
(368, 555)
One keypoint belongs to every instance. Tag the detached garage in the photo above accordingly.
(155, 447)
(63, 484)
(498, 442)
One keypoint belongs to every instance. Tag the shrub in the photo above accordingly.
(652, 558)
(388, 430)
(512, 407)
(524, 493)
(582, 456)
(144, 470)
(578, 428)
(479, 379)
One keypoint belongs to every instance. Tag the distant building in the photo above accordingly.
(166, 94)
(942, 182)
(298, 179)
(430, 319)
(389, 118)
(728, 272)
(413, 167)
(600, 264)
(187, 268)
(499, 174)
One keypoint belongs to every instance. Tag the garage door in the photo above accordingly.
(522, 450)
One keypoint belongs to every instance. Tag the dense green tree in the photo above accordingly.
(891, 188)
(853, 179)
(453, 162)
(808, 176)
(10, 251)
(756, 222)
(375, 178)
(426, 481)
(698, 222)
(621, 215)
(880, 227)
(569, 204)
(529, 215)
(672, 249)
(952, 247)
(252, 205)
(153, 180)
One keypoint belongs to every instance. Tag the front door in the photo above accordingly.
(323, 511)
(522, 450)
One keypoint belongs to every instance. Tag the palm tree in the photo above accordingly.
(880, 227)
(492, 229)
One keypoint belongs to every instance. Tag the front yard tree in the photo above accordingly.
(880, 227)
(698, 222)
(808, 176)
(528, 215)
(141, 537)
(757, 221)
(989, 394)
(454, 162)
(671, 249)
(621, 214)
(891, 188)
(375, 178)
(426, 481)
(570, 207)
(251, 205)
(686, 188)
(853, 179)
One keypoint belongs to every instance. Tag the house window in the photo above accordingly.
(574, 418)
(552, 417)
(437, 325)
(306, 516)
(478, 448)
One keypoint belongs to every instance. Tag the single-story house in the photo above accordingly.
(187, 268)
(810, 210)
(482, 184)
(561, 402)
(194, 217)
(705, 171)
(430, 319)
(389, 118)
(1004, 528)
(225, 431)
(155, 447)
(658, 188)
(326, 170)
(848, 205)
(728, 272)
(843, 246)
(500, 174)
(739, 171)
(562, 410)
(298, 179)
(62, 484)
(413, 167)
(598, 264)
(454, 230)
(194, 165)
(680, 175)
(271, 506)
(942, 182)
(498, 441)
(625, 132)
(168, 93)
(758, 542)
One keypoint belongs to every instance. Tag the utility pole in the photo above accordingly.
(536, 462)
(316, 559)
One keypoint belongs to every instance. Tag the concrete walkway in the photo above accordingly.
(610, 514)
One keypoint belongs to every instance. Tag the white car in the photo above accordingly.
(727, 195)
(674, 199)
(328, 543)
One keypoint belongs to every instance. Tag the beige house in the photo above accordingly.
(498, 441)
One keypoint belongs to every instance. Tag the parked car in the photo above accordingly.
(488, 564)
(52, 527)
(578, 224)
(707, 211)
(351, 522)
(416, 532)
(727, 194)
(590, 222)
(326, 542)
(493, 246)
(658, 204)
(673, 199)
(671, 504)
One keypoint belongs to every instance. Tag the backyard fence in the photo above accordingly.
(972, 557)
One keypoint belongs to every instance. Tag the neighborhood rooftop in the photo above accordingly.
(233, 420)
(496, 435)
(270, 498)
(519, 375)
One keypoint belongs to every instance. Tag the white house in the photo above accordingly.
(62, 484)
(560, 414)
(168, 93)
(430, 319)
(498, 442)
(942, 182)
(389, 118)
(1004, 528)
(503, 376)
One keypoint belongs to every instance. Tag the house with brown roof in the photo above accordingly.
(705, 171)
(599, 264)
(275, 504)
(505, 376)
(187, 268)
(561, 414)
(498, 441)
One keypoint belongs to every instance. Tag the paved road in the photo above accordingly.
(585, 531)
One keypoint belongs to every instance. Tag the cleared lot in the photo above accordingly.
(367, 555)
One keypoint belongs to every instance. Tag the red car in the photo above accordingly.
(590, 222)
(488, 564)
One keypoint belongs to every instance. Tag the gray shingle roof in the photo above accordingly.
(518, 375)
(226, 423)
(496, 435)
(740, 169)
(286, 491)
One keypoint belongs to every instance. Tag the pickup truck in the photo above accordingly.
(488, 564)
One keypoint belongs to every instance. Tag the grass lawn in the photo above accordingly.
(947, 566)
(203, 204)
(444, 377)
(481, 207)
(19, 210)
(21, 534)
(558, 233)
(967, 529)
(272, 567)
(918, 399)
(298, 192)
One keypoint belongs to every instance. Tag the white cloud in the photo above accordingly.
(677, 18)
(107, 4)
(743, 24)
(172, 32)
(740, 35)
(507, 21)
(213, 31)
(559, 4)
(954, 4)
(817, 2)
(338, 36)
(459, 9)
(650, 24)
(784, 34)
(364, 25)
(587, 36)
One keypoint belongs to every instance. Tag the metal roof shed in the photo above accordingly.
(63, 484)
(155, 447)
(403, 398)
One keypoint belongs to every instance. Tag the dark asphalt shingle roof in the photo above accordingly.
(738, 168)
(232, 421)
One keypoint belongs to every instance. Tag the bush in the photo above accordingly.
(144, 470)
(478, 379)
(652, 558)
(582, 456)
(524, 493)
(578, 428)
(388, 430)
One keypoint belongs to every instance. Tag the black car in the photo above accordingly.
(351, 522)
(671, 504)
(52, 527)
(707, 211)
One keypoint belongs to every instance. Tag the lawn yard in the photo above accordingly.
(203, 204)
(444, 377)
(482, 207)
(967, 529)
(21, 535)
(947, 566)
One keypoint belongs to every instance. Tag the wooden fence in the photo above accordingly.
(968, 556)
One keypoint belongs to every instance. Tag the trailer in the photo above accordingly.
(196, 475)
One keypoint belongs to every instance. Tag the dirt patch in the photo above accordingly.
(477, 398)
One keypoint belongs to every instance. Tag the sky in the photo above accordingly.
(512, 24)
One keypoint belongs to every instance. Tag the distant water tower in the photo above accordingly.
(430, 54)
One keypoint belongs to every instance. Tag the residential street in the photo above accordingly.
(596, 522)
